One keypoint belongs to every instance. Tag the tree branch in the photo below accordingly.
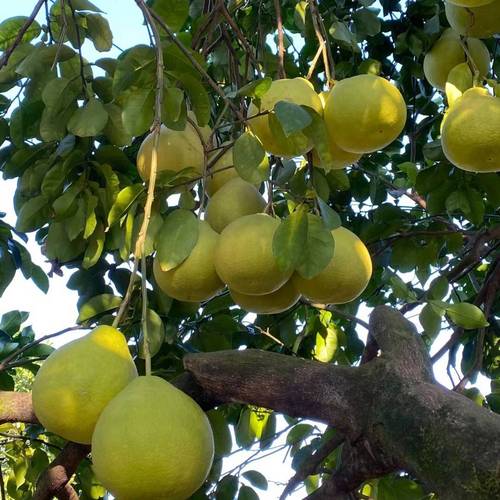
(22, 31)
(296, 387)
(310, 466)
(197, 65)
(281, 44)
(54, 480)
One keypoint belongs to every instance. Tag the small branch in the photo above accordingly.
(2, 484)
(82, 74)
(4, 365)
(54, 480)
(22, 31)
(126, 300)
(239, 34)
(322, 37)
(315, 60)
(311, 466)
(196, 64)
(281, 44)
(156, 128)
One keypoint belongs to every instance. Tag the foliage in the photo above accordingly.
(71, 129)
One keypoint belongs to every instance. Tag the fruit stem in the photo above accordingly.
(145, 333)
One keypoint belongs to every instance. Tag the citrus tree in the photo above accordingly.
(234, 198)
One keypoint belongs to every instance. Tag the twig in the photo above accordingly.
(241, 37)
(5, 363)
(322, 37)
(20, 437)
(310, 466)
(82, 74)
(126, 300)
(2, 484)
(314, 62)
(195, 64)
(281, 44)
(22, 31)
(156, 128)
(339, 312)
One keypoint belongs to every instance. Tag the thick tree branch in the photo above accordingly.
(16, 407)
(294, 386)
(54, 480)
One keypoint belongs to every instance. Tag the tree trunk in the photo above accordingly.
(393, 414)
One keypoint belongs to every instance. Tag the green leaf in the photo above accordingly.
(438, 289)
(326, 345)
(43, 57)
(89, 120)
(99, 32)
(256, 88)
(123, 201)
(367, 22)
(339, 31)
(94, 248)
(97, 305)
(466, 315)
(176, 238)
(9, 29)
(172, 103)
(256, 479)
(156, 334)
(227, 488)
(62, 206)
(34, 214)
(59, 246)
(84, 5)
(298, 433)
(292, 117)
(289, 240)
(318, 249)
(138, 111)
(198, 96)
(430, 321)
(114, 130)
(329, 216)
(250, 159)
(173, 12)
(222, 435)
(40, 279)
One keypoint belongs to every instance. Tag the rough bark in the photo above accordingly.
(391, 411)
(54, 480)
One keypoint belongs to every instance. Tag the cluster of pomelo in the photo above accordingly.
(235, 240)
(458, 64)
(149, 440)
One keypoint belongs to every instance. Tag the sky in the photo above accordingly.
(57, 310)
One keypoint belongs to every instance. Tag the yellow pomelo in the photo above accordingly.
(177, 150)
(479, 22)
(152, 442)
(339, 158)
(271, 303)
(447, 53)
(470, 134)
(79, 379)
(221, 172)
(244, 256)
(346, 275)
(297, 90)
(195, 279)
(364, 113)
(470, 3)
(232, 201)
